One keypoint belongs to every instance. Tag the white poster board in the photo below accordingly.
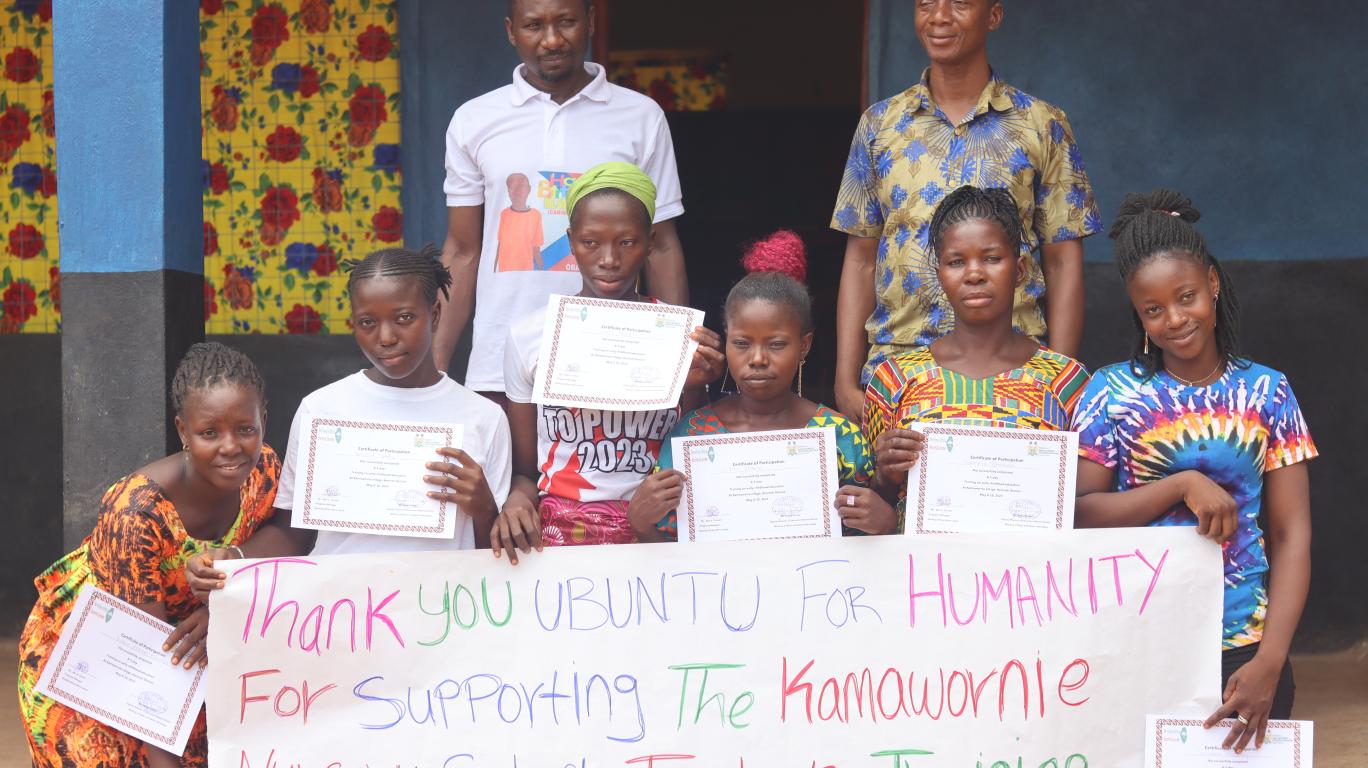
(956, 650)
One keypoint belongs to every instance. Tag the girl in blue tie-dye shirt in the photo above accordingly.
(1186, 432)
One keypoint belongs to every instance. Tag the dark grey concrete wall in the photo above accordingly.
(1255, 109)
(31, 468)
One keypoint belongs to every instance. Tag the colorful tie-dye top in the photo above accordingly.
(854, 459)
(1233, 431)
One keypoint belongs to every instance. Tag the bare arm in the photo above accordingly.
(854, 305)
(461, 255)
(1249, 692)
(1287, 497)
(666, 278)
(518, 526)
(1100, 506)
(275, 538)
(1062, 263)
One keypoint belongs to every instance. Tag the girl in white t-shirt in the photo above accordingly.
(394, 311)
(575, 469)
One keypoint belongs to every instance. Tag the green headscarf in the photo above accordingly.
(618, 175)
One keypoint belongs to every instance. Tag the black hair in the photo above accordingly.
(512, 5)
(424, 265)
(210, 364)
(776, 288)
(967, 203)
(1160, 223)
(609, 191)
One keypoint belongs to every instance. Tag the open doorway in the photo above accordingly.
(762, 97)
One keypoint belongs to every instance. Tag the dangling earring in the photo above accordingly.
(723, 389)
(801, 363)
(1147, 344)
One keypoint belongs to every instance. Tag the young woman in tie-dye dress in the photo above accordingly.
(1186, 432)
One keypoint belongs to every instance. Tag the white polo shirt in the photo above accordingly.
(518, 130)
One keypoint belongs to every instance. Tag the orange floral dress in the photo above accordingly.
(137, 552)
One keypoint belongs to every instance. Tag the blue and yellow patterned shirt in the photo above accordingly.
(907, 156)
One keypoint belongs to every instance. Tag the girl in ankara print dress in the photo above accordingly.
(213, 494)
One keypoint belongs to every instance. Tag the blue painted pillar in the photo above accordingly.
(449, 53)
(131, 228)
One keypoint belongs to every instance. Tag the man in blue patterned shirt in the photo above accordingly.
(959, 125)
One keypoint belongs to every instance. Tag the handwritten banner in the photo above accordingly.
(975, 650)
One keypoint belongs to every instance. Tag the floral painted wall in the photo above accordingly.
(301, 157)
(30, 281)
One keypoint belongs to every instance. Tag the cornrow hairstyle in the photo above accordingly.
(1157, 224)
(209, 364)
(424, 265)
(968, 203)
(776, 267)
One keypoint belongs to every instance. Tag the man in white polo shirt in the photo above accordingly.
(511, 156)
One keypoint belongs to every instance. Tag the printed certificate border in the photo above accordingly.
(825, 437)
(1295, 726)
(74, 700)
(1047, 436)
(349, 525)
(550, 397)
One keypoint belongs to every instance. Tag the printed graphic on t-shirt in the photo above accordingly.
(531, 213)
(591, 449)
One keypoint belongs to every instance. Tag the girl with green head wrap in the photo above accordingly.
(573, 476)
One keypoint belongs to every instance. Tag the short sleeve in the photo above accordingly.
(1096, 433)
(284, 498)
(1069, 386)
(498, 459)
(1289, 439)
(1066, 208)
(518, 373)
(855, 460)
(659, 164)
(881, 399)
(464, 184)
(858, 211)
(129, 542)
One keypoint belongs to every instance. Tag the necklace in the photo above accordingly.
(1193, 382)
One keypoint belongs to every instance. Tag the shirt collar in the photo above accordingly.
(598, 88)
(994, 95)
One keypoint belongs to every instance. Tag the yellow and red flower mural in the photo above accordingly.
(300, 103)
(301, 157)
(30, 278)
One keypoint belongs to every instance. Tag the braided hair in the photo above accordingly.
(1160, 224)
(777, 266)
(424, 265)
(210, 364)
(968, 203)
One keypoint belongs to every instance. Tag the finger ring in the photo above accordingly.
(1243, 720)
(850, 500)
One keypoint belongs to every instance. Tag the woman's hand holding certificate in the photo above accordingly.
(614, 355)
(371, 477)
(988, 478)
(758, 485)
